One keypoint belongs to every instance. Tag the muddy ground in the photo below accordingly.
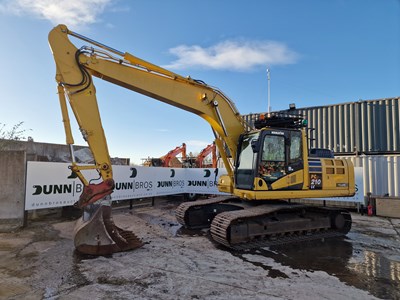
(39, 262)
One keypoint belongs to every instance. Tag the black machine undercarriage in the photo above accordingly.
(242, 225)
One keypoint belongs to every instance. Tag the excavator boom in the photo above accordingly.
(75, 68)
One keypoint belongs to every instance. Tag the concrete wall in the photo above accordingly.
(387, 207)
(55, 152)
(13, 158)
(12, 189)
(48, 152)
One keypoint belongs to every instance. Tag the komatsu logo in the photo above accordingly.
(278, 132)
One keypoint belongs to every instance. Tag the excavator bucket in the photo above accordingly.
(96, 233)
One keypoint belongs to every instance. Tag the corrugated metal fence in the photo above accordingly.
(381, 173)
(370, 127)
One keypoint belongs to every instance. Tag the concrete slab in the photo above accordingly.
(40, 262)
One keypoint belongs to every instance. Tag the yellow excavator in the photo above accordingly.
(266, 166)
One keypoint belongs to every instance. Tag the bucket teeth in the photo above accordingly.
(100, 236)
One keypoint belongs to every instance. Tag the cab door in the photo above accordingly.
(281, 158)
(247, 161)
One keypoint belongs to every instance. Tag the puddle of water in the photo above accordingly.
(358, 267)
(380, 274)
(273, 273)
(174, 228)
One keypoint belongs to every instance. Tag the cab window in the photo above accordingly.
(295, 147)
(272, 164)
(274, 148)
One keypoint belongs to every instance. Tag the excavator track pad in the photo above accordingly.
(96, 233)
(239, 225)
(199, 214)
(268, 225)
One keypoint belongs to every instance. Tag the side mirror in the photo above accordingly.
(255, 145)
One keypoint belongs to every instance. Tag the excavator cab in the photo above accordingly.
(265, 157)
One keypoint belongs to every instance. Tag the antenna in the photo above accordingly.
(269, 89)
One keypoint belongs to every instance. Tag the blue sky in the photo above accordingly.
(319, 53)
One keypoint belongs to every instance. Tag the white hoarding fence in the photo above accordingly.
(49, 184)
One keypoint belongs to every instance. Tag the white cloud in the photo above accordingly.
(233, 55)
(74, 13)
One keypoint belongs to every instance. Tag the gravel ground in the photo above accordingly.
(39, 262)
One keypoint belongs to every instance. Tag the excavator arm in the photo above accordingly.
(173, 153)
(204, 153)
(75, 68)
